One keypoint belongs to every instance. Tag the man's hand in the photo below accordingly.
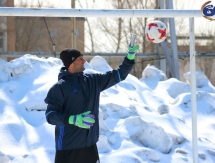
(83, 120)
(132, 51)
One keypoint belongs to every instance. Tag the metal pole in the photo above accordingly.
(173, 43)
(193, 89)
(163, 64)
(168, 58)
(73, 35)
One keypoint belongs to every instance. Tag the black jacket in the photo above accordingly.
(75, 93)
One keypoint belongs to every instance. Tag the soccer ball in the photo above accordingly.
(155, 31)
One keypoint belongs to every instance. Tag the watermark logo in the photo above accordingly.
(208, 10)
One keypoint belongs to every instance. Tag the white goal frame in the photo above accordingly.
(126, 13)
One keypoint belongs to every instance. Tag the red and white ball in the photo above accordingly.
(156, 31)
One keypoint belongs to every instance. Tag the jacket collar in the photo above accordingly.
(66, 74)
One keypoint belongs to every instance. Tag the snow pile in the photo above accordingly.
(202, 82)
(148, 134)
(152, 71)
(141, 120)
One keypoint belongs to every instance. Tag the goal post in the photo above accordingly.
(193, 89)
(127, 13)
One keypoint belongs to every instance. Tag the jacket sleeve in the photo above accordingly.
(55, 101)
(113, 77)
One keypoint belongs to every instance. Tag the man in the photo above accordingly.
(73, 106)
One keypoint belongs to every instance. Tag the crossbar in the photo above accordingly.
(56, 12)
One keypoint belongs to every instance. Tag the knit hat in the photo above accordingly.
(68, 56)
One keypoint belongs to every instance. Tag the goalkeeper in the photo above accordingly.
(73, 105)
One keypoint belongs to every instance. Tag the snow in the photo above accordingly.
(142, 120)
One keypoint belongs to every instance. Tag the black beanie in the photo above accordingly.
(68, 56)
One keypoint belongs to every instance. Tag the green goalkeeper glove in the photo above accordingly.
(83, 120)
(132, 49)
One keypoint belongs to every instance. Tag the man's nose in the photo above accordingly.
(83, 60)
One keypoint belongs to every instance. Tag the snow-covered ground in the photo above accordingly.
(141, 120)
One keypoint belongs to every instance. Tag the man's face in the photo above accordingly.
(77, 65)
